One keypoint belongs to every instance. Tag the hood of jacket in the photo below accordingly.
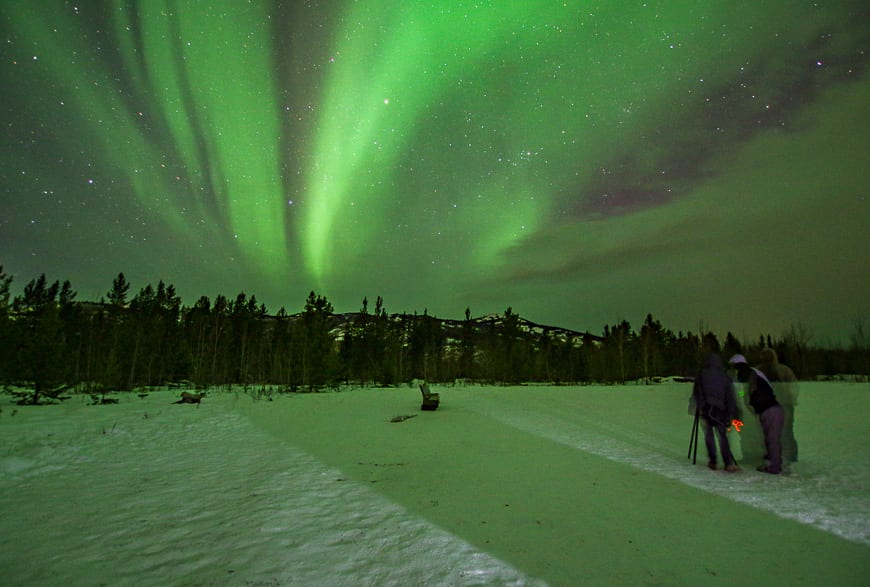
(713, 361)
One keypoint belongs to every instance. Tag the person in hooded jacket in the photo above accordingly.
(771, 415)
(785, 386)
(713, 394)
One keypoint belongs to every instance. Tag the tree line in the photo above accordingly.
(51, 342)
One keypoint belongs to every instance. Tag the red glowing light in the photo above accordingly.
(736, 424)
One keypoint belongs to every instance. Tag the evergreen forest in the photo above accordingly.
(50, 342)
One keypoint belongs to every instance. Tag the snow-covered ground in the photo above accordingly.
(500, 486)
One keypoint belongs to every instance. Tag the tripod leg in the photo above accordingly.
(693, 439)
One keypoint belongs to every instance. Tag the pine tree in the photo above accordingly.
(618, 344)
(118, 294)
(317, 342)
(732, 346)
(196, 322)
(467, 349)
(7, 341)
(40, 334)
(511, 356)
(652, 341)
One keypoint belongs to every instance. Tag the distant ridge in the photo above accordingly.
(453, 327)
(481, 323)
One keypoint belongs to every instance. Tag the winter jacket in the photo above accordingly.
(761, 394)
(773, 369)
(714, 392)
(781, 377)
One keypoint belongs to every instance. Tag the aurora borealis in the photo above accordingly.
(581, 162)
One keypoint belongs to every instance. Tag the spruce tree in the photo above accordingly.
(318, 353)
(7, 340)
(39, 332)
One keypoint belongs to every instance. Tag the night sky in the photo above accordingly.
(581, 162)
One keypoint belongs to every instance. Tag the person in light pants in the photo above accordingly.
(785, 386)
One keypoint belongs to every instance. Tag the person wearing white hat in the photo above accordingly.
(770, 413)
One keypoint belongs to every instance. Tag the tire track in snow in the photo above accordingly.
(809, 500)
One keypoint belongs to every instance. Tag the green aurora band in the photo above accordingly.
(444, 149)
(221, 176)
(390, 68)
(508, 110)
(227, 134)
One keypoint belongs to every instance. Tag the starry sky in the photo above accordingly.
(582, 162)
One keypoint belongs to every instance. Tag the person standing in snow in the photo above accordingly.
(785, 386)
(771, 415)
(713, 393)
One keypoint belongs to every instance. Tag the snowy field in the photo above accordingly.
(500, 486)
